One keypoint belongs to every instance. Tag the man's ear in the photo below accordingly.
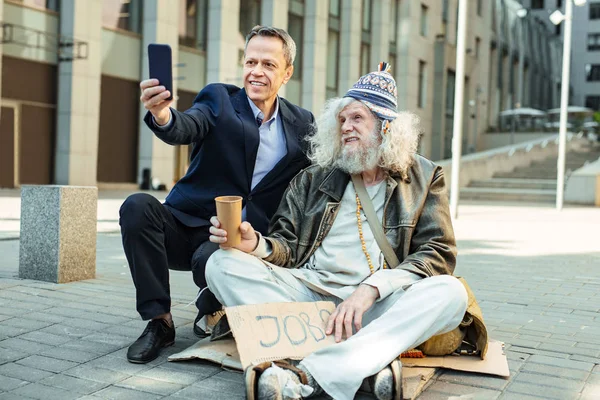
(289, 71)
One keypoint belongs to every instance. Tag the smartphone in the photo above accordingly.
(161, 67)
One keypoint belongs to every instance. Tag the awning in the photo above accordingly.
(525, 111)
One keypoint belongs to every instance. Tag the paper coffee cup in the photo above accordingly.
(229, 213)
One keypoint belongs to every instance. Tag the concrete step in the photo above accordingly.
(515, 183)
(536, 172)
(575, 161)
(504, 194)
(569, 163)
(524, 174)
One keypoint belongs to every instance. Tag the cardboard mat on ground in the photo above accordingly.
(275, 331)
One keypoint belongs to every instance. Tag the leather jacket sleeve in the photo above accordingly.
(433, 246)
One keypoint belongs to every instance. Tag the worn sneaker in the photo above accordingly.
(386, 384)
(285, 382)
(383, 384)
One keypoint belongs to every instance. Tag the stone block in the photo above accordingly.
(58, 233)
(583, 186)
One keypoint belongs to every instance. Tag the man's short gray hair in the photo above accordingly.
(289, 46)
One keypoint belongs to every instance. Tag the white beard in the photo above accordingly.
(362, 159)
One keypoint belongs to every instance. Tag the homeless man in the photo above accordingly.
(320, 247)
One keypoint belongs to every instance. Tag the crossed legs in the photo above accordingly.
(393, 325)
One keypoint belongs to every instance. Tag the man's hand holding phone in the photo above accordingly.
(155, 98)
(157, 92)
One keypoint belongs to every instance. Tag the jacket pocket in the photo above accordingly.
(400, 235)
(406, 223)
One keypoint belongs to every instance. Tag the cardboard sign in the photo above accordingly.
(274, 331)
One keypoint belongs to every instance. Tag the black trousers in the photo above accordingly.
(154, 241)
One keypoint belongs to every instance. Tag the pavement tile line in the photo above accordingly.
(533, 270)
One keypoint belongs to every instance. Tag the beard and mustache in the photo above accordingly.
(363, 158)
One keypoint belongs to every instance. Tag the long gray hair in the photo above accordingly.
(396, 150)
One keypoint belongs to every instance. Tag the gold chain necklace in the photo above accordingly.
(362, 239)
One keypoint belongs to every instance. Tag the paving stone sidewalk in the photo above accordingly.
(536, 273)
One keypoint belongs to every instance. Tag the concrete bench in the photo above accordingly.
(58, 233)
(583, 186)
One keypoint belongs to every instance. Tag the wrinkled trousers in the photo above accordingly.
(401, 321)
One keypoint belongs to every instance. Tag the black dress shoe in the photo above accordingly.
(147, 347)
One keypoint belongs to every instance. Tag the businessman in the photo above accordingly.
(247, 142)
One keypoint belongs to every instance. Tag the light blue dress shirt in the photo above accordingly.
(272, 147)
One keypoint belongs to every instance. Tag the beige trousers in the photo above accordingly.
(402, 321)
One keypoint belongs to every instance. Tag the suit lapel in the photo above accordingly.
(290, 131)
(251, 138)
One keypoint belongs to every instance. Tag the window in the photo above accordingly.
(393, 48)
(592, 72)
(477, 46)
(479, 8)
(595, 11)
(456, 24)
(296, 31)
(42, 4)
(593, 43)
(537, 4)
(122, 14)
(296, 10)
(451, 78)
(447, 147)
(593, 102)
(333, 51)
(421, 100)
(249, 16)
(202, 24)
(334, 8)
(366, 15)
(393, 21)
(365, 59)
(187, 23)
(423, 20)
(193, 17)
(445, 13)
(365, 43)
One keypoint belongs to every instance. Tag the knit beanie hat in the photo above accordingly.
(377, 90)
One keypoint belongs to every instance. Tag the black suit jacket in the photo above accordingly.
(225, 135)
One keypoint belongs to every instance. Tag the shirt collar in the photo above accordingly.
(256, 110)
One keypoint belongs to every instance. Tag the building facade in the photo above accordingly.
(585, 47)
(70, 109)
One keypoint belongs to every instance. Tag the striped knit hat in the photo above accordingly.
(377, 90)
